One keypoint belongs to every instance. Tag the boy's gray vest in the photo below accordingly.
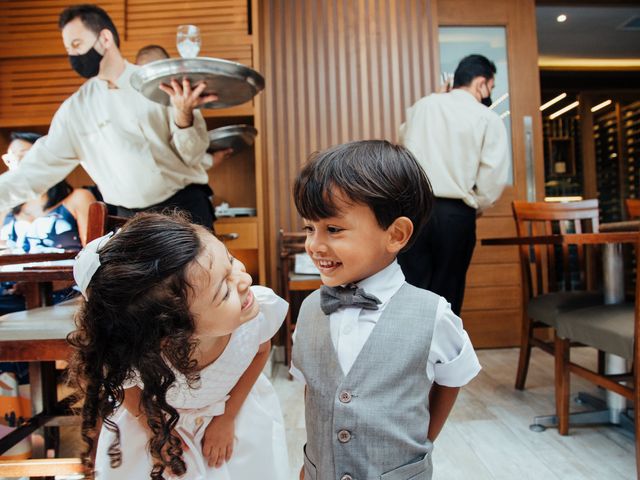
(371, 424)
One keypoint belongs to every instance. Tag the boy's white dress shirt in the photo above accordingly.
(452, 361)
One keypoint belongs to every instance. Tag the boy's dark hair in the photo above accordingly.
(385, 177)
(152, 48)
(55, 194)
(137, 321)
(93, 17)
(473, 66)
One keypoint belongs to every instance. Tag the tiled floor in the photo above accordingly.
(487, 436)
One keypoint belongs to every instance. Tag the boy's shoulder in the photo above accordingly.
(410, 290)
(311, 300)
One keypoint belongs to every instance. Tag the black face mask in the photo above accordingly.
(87, 64)
(486, 101)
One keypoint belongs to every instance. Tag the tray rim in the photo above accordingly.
(246, 73)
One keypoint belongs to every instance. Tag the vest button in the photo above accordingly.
(345, 397)
(344, 436)
(346, 476)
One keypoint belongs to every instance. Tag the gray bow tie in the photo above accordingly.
(333, 298)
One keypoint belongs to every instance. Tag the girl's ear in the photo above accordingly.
(399, 233)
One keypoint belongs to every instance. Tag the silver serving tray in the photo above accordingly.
(237, 137)
(233, 82)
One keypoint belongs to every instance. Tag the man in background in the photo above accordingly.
(151, 53)
(462, 146)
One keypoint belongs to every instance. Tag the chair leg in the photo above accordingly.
(525, 352)
(601, 360)
(562, 381)
(288, 344)
(636, 406)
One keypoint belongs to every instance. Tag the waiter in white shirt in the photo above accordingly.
(141, 155)
(462, 145)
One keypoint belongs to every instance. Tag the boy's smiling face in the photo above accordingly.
(352, 245)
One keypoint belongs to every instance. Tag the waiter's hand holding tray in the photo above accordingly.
(232, 83)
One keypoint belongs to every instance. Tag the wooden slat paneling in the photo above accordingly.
(33, 88)
(30, 27)
(223, 18)
(491, 328)
(337, 71)
(480, 275)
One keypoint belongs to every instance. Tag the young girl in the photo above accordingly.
(170, 346)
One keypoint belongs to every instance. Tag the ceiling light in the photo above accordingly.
(552, 101)
(600, 106)
(564, 110)
(504, 114)
(561, 18)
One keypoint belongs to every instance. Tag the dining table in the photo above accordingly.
(36, 274)
(611, 237)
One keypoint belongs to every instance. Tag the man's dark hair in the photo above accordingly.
(29, 137)
(473, 66)
(385, 177)
(92, 16)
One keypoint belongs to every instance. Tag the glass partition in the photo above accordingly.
(458, 42)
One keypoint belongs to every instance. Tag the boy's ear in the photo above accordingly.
(399, 232)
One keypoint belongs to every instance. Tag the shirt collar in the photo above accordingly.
(462, 93)
(385, 283)
(123, 80)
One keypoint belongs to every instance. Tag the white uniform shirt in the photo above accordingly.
(462, 146)
(452, 361)
(129, 145)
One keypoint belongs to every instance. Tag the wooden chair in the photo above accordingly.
(633, 207)
(551, 283)
(292, 243)
(39, 336)
(613, 329)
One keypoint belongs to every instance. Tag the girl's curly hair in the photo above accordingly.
(136, 321)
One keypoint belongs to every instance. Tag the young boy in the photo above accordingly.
(382, 361)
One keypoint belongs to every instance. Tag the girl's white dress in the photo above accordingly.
(260, 450)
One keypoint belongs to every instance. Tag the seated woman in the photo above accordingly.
(58, 218)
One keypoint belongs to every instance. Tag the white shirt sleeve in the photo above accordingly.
(50, 160)
(452, 361)
(494, 167)
(273, 310)
(192, 142)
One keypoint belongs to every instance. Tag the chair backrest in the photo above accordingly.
(99, 222)
(633, 207)
(291, 243)
(542, 270)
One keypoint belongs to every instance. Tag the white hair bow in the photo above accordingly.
(87, 262)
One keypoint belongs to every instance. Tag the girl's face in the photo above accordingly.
(17, 149)
(221, 300)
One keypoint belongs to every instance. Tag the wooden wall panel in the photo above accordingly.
(35, 76)
(337, 70)
(30, 27)
(221, 18)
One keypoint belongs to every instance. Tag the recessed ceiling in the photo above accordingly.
(591, 37)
